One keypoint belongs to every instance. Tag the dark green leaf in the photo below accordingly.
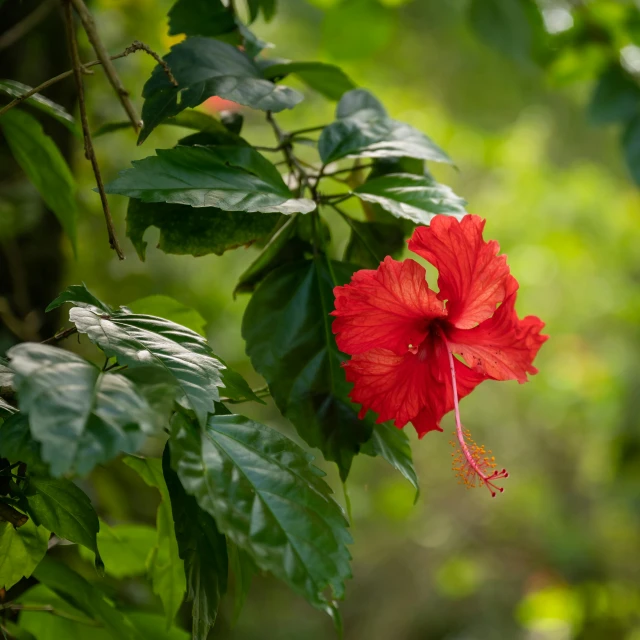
(166, 569)
(197, 232)
(236, 387)
(250, 42)
(267, 7)
(17, 444)
(631, 148)
(230, 178)
(200, 18)
(392, 444)
(44, 165)
(84, 596)
(17, 633)
(287, 328)
(327, 79)
(16, 89)
(80, 296)
(79, 415)
(268, 498)
(170, 309)
(283, 247)
(63, 508)
(364, 130)
(203, 68)
(415, 198)
(370, 242)
(203, 549)
(616, 97)
(137, 340)
(20, 551)
(243, 569)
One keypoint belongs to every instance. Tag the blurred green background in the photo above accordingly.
(557, 556)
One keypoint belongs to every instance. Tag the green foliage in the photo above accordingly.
(327, 79)
(200, 18)
(229, 178)
(203, 68)
(44, 165)
(370, 242)
(616, 97)
(300, 359)
(364, 130)
(21, 550)
(268, 499)
(170, 309)
(196, 232)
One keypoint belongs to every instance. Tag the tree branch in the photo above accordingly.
(90, 28)
(61, 335)
(9, 514)
(89, 151)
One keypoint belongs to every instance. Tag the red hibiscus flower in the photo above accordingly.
(402, 336)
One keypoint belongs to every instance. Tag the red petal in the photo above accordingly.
(409, 388)
(389, 308)
(472, 277)
(502, 347)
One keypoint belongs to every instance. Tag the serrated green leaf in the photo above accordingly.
(20, 551)
(80, 296)
(392, 444)
(283, 247)
(328, 79)
(229, 178)
(137, 340)
(616, 97)
(267, 498)
(171, 309)
(17, 444)
(300, 360)
(44, 165)
(16, 89)
(415, 198)
(79, 415)
(197, 232)
(125, 549)
(200, 18)
(203, 549)
(364, 130)
(165, 567)
(370, 242)
(64, 509)
(205, 67)
(86, 597)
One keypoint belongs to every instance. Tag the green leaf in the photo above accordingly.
(505, 25)
(125, 549)
(63, 508)
(15, 89)
(80, 296)
(84, 596)
(17, 633)
(616, 97)
(415, 198)
(203, 549)
(328, 79)
(267, 7)
(230, 178)
(631, 148)
(200, 18)
(20, 551)
(171, 309)
(79, 415)
(166, 569)
(392, 444)
(364, 130)
(235, 387)
(287, 329)
(137, 340)
(268, 499)
(197, 232)
(17, 445)
(44, 165)
(243, 569)
(203, 68)
(283, 247)
(370, 242)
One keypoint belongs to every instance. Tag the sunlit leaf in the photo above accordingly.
(21, 550)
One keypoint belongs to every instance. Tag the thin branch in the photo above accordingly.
(25, 25)
(9, 514)
(350, 169)
(284, 142)
(300, 132)
(355, 230)
(89, 151)
(103, 55)
(262, 392)
(61, 335)
(136, 46)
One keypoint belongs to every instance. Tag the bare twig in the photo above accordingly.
(26, 24)
(61, 335)
(89, 151)
(136, 46)
(284, 143)
(90, 27)
(9, 514)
